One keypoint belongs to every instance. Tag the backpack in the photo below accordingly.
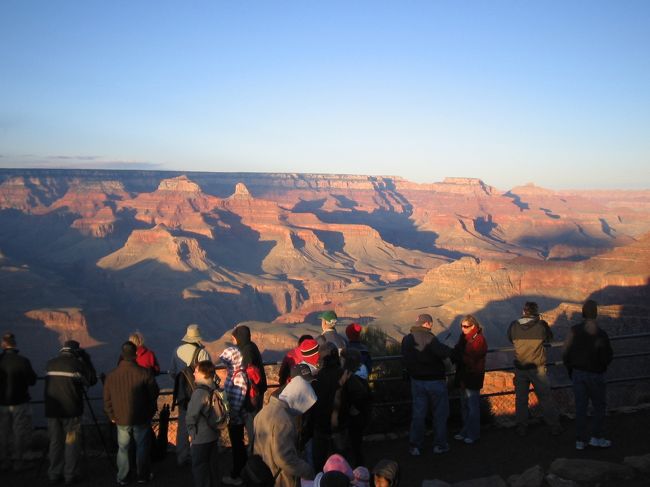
(218, 414)
(254, 397)
(184, 382)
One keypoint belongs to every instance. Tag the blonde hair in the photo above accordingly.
(472, 321)
(136, 338)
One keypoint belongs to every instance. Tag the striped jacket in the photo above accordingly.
(66, 377)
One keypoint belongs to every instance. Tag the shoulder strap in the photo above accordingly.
(195, 355)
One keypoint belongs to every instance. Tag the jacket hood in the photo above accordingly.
(232, 357)
(243, 335)
(527, 321)
(389, 470)
(298, 395)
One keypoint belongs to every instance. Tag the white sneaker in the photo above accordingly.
(469, 441)
(414, 451)
(459, 437)
(228, 480)
(438, 450)
(600, 442)
(580, 445)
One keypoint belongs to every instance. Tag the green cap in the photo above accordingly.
(328, 316)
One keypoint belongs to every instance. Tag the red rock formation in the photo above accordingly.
(69, 323)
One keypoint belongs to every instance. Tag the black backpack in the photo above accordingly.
(184, 382)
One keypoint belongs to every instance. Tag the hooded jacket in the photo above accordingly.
(529, 334)
(424, 355)
(250, 353)
(276, 435)
(236, 384)
(389, 470)
(197, 413)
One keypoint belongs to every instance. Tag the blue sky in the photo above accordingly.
(554, 92)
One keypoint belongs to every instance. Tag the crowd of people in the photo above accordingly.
(309, 433)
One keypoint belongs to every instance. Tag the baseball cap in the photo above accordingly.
(328, 316)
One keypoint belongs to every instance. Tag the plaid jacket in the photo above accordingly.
(236, 384)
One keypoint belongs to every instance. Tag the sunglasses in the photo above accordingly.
(466, 326)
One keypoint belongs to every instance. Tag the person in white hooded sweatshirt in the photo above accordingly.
(276, 435)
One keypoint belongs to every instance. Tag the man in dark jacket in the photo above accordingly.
(529, 334)
(16, 375)
(424, 360)
(130, 394)
(67, 375)
(587, 354)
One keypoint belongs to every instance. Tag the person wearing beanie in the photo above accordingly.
(469, 357)
(330, 335)
(587, 354)
(130, 395)
(386, 473)
(67, 375)
(361, 477)
(336, 463)
(190, 352)
(529, 334)
(353, 332)
(333, 479)
(306, 350)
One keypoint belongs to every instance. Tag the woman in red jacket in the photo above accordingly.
(144, 357)
(469, 356)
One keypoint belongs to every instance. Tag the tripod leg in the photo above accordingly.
(99, 431)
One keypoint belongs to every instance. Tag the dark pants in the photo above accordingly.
(355, 435)
(589, 385)
(239, 455)
(204, 464)
(322, 449)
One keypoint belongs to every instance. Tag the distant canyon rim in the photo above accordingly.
(93, 255)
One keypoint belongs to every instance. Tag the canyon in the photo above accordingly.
(93, 255)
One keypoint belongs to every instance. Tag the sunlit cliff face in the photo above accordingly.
(93, 255)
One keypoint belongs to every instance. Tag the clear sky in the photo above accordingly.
(554, 92)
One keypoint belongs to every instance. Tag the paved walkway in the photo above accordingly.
(500, 451)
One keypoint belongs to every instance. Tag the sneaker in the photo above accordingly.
(459, 437)
(228, 480)
(580, 445)
(600, 442)
(122, 482)
(438, 450)
(414, 451)
(469, 441)
(146, 478)
(521, 430)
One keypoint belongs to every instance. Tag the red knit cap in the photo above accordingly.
(353, 332)
(309, 351)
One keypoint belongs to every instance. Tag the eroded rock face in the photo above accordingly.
(69, 323)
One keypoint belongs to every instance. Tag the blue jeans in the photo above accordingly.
(140, 433)
(470, 404)
(429, 394)
(589, 385)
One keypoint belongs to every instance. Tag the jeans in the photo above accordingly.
(539, 379)
(589, 385)
(139, 433)
(429, 394)
(470, 404)
(64, 434)
(16, 424)
(204, 464)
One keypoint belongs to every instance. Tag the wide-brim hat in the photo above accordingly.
(192, 334)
